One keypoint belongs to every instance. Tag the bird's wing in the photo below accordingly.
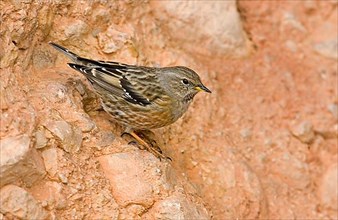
(126, 81)
(132, 83)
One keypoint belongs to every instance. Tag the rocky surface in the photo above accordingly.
(17, 203)
(262, 145)
(19, 162)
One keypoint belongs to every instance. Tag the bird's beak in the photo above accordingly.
(202, 88)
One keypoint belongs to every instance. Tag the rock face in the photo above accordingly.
(19, 162)
(140, 182)
(264, 139)
(214, 26)
(123, 171)
(16, 202)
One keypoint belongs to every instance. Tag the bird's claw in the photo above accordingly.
(152, 147)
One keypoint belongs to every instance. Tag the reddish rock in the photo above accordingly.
(227, 38)
(328, 189)
(70, 137)
(304, 132)
(238, 186)
(50, 158)
(49, 193)
(129, 186)
(19, 162)
(138, 193)
(177, 207)
(40, 139)
(289, 169)
(16, 202)
(233, 152)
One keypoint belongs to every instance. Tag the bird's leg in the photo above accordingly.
(133, 143)
(151, 149)
(149, 136)
(155, 150)
(124, 133)
(144, 135)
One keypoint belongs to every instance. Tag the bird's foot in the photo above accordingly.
(145, 143)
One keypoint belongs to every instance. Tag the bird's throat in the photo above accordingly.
(188, 98)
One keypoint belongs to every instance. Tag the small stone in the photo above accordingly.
(63, 178)
(19, 203)
(333, 108)
(50, 158)
(61, 204)
(42, 58)
(44, 204)
(112, 40)
(58, 93)
(80, 87)
(40, 139)
(328, 189)
(169, 208)
(19, 161)
(102, 15)
(178, 207)
(246, 133)
(135, 210)
(105, 138)
(291, 45)
(304, 132)
(76, 28)
(268, 142)
(79, 187)
(70, 136)
(194, 163)
(327, 49)
(309, 5)
(82, 121)
(289, 19)
(73, 213)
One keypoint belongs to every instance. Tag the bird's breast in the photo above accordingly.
(161, 112)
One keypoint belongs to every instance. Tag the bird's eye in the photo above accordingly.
(185, 81)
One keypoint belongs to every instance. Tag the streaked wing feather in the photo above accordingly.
(120, 79)
(100, 81)
(132, 95)
(100, 63)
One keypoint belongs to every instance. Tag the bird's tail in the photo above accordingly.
(75, 58)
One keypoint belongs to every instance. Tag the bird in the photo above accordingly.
(139, 97)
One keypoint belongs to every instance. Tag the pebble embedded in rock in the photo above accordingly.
(327, 48)
(50, 158)
(123, 171)
(20, 204)
(104, 138)
(70, 136)
(63, 178)
(328, 188)
(304, 132)
(246, 133)
(40, 139)
(178, 207)
(19, 161)
(333, 108)
(76, 28)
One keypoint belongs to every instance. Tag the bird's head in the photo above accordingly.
(181, 83)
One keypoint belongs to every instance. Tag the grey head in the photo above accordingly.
(181, 83)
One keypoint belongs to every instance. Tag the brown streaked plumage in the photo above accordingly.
(138, 97)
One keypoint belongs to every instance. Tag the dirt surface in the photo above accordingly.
(263, 145)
